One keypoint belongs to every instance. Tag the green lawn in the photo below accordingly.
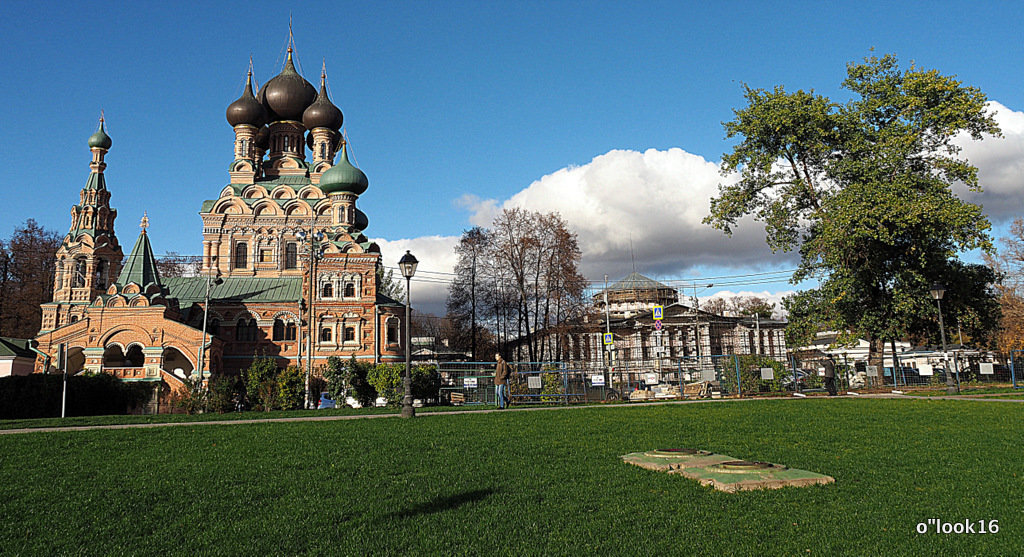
(541, 482)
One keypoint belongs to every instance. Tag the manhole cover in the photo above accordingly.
(677, 452)
(748, 465)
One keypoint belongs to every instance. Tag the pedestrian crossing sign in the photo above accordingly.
(658, 310)
(609, 339)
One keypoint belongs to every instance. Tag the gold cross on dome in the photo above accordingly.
(145, 221)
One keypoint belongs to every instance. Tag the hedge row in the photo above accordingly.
(39, 396)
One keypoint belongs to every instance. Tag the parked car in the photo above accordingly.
(325, 401)
(786, 381)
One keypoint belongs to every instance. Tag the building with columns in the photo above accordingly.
(286, 267)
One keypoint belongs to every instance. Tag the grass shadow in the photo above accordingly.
(441, 504)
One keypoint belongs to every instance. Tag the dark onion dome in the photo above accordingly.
(100, 139)
(309, 140)
(343, 177)
(362, 222)
(263, 138)
(322, 113)
(246, 110)
(286, 95)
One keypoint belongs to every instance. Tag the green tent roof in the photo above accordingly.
(17, 347)
(141, 265)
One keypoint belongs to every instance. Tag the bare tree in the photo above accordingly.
(1008, 263)
(27, 267)
(465, 295)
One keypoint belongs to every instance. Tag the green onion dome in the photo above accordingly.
(246, 110)
(322, 113)
(287, 95)
(100, 139)
(343, 177)
(362, 222)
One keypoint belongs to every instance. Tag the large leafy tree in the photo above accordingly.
(27, 265)
(863, 189)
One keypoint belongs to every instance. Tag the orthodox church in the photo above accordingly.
(287, 270)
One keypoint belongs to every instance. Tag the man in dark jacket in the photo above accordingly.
(830, 375)
(501, 374)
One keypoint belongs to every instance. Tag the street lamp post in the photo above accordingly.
(211, 280)
(696, 318)
(408, 266)
(314, 239)
(938, 291)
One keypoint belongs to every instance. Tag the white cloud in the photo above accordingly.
(437, 261)
(1000, 162)
(772, 297)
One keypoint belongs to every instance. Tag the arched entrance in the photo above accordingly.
(76, 360)
(174, 360)
(113, 356)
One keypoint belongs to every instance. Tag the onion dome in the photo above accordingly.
(287, 95)
(263, 138)
(362, 222)
(343, 177)
(246, 110)
(309, 140)
(322, 113)
(100, 139)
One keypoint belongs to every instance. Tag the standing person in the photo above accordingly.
(830, 375)
(501, 373)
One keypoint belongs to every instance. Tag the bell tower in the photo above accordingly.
(89, 258)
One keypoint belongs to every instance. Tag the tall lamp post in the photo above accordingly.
(938, 290)
(696, 318)
(314, 240)
(211, 281)
(408, 266)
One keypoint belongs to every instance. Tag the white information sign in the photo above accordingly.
(533, 382)
(986, 369)
(767, 374)
(925, 370)
(872, 371)
(651, 378)
(707, 375)
(469, 382)
(597, 380)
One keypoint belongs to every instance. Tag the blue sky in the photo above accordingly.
(454, 109)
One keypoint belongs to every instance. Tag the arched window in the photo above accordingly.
(134, 357)
(289, 331)
(100, 274)
(392, 332)
(278, 329)
(214, 327)
(350, 334)
(327, 290)
(350, 289)
(241, 255)
(325, 335)
(291, 255)
(79, 277)
(245, 331)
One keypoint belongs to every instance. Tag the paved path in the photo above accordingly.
(492, 410)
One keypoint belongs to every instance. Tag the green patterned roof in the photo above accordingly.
(140, 267)
(96, 181)
(235, 289)
(16, 347)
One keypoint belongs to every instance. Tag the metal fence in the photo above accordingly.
(570, 382)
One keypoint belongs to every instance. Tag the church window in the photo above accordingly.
(323, 150)
(241, 255)
(286, 143)
(392, 333)
(327, 290)
(245, 331)
(79, 276)
(289, 331)
(350, 289)
(214, 327)
(266, 255)
(291, 256)
(278, 329)
(60, 275)
(100, 274)
(74, 318)
(350, 334)
(325, 334)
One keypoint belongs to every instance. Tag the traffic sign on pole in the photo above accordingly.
(657, 325)
(609, 339)
(657, 313)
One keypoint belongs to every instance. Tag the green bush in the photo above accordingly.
(349, 378)
(261, 384)
(39, 395)
(553, 384)
(291, 388)
(750, 374)
(223, 392)
(388, 380)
